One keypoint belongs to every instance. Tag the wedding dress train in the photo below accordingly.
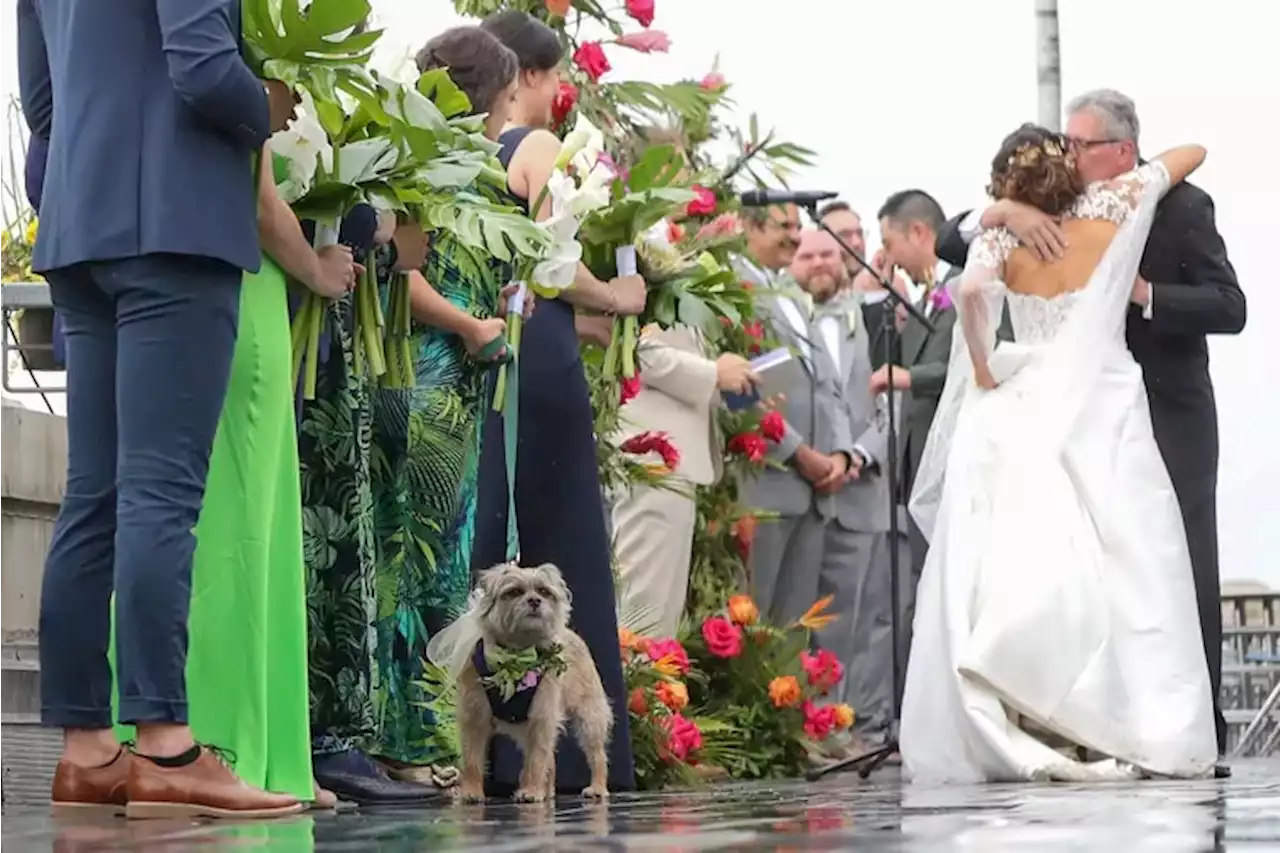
(1056, 634)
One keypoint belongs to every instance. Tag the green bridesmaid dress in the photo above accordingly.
(247, 657)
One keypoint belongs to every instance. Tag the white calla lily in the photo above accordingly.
(306, 146)
(584, 139)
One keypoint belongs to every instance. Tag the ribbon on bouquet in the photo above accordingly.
(511, 414)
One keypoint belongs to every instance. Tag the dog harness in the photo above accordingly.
(515, 709)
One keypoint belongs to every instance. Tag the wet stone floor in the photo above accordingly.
(839, 813)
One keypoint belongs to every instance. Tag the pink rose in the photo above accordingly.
(823, 670)
(724, 225)
(683, 737)
(723, 638)
(713, 82)
(818, 720)
(704, 204)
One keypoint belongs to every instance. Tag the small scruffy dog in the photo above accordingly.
(521, 609)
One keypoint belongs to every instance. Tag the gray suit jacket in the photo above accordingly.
(862, 504)
(926, 355)
(152, 117)
(814, 411)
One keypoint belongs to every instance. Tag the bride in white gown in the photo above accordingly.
(1056, 633)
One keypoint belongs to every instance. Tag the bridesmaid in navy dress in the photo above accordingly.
(558, 502)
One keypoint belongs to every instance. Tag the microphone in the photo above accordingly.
(766, 197)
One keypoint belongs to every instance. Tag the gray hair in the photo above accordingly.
(1118, 114)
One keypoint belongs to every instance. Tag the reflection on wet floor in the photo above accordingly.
(840, 813)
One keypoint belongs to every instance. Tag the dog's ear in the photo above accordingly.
(487, 583)
(551, 574)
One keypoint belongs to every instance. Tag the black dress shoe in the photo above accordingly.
(1222, 771)
(355, 777)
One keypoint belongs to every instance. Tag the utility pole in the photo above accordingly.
(1048, 64)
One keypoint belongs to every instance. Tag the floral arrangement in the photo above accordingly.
(738, 697)
(20, 225)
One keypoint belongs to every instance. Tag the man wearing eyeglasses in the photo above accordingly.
(1186, 289)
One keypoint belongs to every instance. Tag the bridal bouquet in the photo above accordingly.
(578, 184)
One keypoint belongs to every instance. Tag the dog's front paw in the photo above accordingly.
(468, 794)
(595, 792)
(530, 795)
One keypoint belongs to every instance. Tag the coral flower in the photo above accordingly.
(784, 691)
(673, 694)
(742, 610)
(637, 704)
(844, 715)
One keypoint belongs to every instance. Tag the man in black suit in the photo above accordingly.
(1186, 289)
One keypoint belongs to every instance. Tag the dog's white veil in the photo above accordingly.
(451, 648)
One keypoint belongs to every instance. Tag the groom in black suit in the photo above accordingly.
(1186, 289)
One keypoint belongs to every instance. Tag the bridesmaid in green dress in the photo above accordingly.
(427, 439)
(247, 662)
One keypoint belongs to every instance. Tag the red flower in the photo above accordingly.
(683, 737)
(641, 11)
(565, 100)
(723, 638)
(591, 59)
(750, 445)
(704, 204)
(818, 720)
(653, 442)
(713, 82)
(630, 389)
(559, 8)
(637, 703)
(754, 330)
(772, 426)
(669, 648)
(646, 41)
(824, 669)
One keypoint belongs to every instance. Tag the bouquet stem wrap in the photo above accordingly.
(622, 346)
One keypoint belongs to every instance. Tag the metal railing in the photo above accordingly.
(1251, 671)
(18, 297)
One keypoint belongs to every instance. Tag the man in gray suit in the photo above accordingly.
(909, 224)
(811, 462)
(852, 571)
(148, 221)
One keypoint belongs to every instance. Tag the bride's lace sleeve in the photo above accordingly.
(980, 294)
(1116, 199)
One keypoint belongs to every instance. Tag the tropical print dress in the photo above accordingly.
(334, 447)
(425, 465)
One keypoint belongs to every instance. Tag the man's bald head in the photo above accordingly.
(818, 265)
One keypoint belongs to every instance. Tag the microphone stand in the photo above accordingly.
(868, 762)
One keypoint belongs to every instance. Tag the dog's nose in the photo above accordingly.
(534, 602)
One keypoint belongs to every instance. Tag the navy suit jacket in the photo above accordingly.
(152, 119)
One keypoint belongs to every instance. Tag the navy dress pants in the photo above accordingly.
(149, 343)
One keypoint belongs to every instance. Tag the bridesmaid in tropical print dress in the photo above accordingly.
(427, 438)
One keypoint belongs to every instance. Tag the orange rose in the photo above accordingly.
(673, 694)
(626, 638)
(844, 716)
(784, 691)
(637, 704)
(742, 610)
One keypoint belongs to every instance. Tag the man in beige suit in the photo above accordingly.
(653, 526)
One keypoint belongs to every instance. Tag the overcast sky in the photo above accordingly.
(918, 93)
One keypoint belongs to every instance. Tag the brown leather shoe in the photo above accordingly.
(204, 788)
(80, 790)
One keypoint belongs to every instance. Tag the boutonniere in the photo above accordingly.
(512, 672)
(851, 320)
(941, 299)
